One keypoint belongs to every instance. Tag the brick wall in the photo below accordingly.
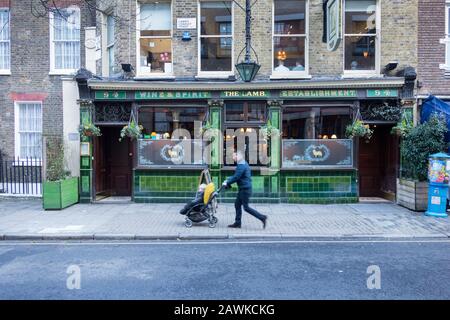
(399, 20)
(30, 66)
(431, 52)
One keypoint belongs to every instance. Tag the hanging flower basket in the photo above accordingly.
(132, 130)
(358, 129)
(403, 127)
(88, 129)
(268, 130)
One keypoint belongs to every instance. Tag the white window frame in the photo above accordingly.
(7, 72)
(139, 74)
(291, 74)
(53, 70)
(34, 161)
(446, 41)
(364, 73)
(214, 74)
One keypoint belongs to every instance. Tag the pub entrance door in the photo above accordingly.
(112, 164)
(378, 163)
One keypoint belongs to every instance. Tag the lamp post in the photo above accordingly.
(247, 69)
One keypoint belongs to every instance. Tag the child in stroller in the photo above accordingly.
(197, 200)
(203, 207)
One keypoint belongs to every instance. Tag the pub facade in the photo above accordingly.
(174, 74)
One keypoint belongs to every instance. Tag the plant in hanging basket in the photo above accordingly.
(88, 129)
(132, 131)
(403, 128)
(358, 129)
(268, 130)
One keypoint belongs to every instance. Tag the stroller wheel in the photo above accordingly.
(212, 221)
(188, 223)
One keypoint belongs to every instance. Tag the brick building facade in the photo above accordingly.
(433, 72)
(29, 78)
(183, 54)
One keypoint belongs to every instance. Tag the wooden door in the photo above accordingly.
(378, 164)
(119, 163)
(370, 166)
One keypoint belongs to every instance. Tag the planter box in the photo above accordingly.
(412, 194)
(60, 194)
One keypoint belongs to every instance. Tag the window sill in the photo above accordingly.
(349, 75)
(290, 76)
(62, 72)
(225, 76)
(5, 72)
(155, 77)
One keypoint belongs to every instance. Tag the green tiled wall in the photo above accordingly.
(264, 188)
(318, 187)
(287, 186)
(165, 186)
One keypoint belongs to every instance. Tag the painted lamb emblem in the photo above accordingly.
(317, 153)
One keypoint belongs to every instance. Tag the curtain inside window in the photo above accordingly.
(66, 38)
(30, 130)
(155, 16)
(110, 30)
(4, 39)
(360, 5)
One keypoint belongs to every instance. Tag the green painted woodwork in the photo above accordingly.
(58, 195)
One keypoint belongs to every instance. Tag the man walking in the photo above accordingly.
(243, 178)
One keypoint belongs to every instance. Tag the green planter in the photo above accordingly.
(58, 195)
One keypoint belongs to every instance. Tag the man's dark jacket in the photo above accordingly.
(242, 176)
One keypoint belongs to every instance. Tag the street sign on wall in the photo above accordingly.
(334, 24)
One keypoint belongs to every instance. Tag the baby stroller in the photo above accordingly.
(206, 210)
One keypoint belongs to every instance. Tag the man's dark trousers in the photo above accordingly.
(242, 200)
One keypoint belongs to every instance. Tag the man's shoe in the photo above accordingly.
(234, 225)
(264, 221)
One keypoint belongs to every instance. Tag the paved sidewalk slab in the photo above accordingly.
(25, 219)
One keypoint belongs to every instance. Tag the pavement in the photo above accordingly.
(24, 219)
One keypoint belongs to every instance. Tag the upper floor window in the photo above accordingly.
(446, 41)
(28, 130)
(155, 38)
(65, 40)
(216, 37)
(4, 41)
(360, 36)
(110, 41)
(290, 40)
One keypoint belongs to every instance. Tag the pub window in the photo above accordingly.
(243, 119)
(360, 36)
(314, 136)
(28, 127)
(155, 38)
(216, 37)
(245, 111)
(290, 39)
(65, 40)
(4, 41)
(160, 122)
(315, 123)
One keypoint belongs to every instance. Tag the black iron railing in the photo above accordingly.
(21, 176)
